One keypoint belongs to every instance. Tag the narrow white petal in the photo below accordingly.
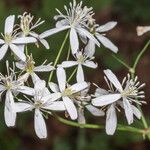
(24, 77)
(24, 40)
(54, 87)
(17, 52)
(45, 43)
(100, 92)
(35, 78)
(79, 87)
(90, 64)
(74, 42)
(80, 74)
(90, 49)
(39, 125)
(106, 27)
(136, 112)
(113, 79)
(128, 111)
(26, 90)
(61, 77)
(9, 24)
(95, 111)
(9, 112)
(70, 107)
(3, 51)
(39, 85)
(44, 68)
(2, 41)
(67, 64)
(106, 99)
(89, 35)
(81, 117)
(51, 97)
(22, 107)
(2, 88)
(21, 47)
(56, 106)
(111, 121)
(21, 65)
(53, 31)
(107, 43)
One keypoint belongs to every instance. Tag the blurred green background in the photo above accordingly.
(128, 14)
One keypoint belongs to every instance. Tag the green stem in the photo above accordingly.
(68, 54)
(58, 55)
(140, 55)
(71, 76)
(95, 126)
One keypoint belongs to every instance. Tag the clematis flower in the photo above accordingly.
(27, 27)
(66, 92)
(99, 32)
(30, 69)
(42, 102)
(124, 95)
(10, 86)
(12, 41)
(81, 60)
(76, 20)
(142, 29)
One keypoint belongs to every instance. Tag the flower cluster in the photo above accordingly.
(24, 94)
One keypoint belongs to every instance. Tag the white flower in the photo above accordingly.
(27, 26)
(83, 101)
(10, 85)
(81, 60)
(76, 20)
(30, 69)
(128, 91)
(42, 102)
(66, 92)
(99, 33)
(142, 29)
(10, 40)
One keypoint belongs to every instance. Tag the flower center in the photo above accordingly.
(81, 59)
(67, 92)
(8, 38)
(37, 104)
(30, 65)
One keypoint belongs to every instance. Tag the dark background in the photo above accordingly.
(128, 14)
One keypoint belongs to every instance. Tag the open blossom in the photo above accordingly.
(66, 92)
(76, 20)
(42, 102)
(27, 27)
(10, 86)
(142, 29)
(12, 41)
(125, 95)
(83, 101)
(30, 69)
(99, 32)
(81, 60)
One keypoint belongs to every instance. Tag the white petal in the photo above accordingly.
(136, 112)
(3, 51)
(24, 40)
(61, 77)
(74, 42)
(54, 87)
(24, 77)
(2, 41)
(90, 64)
(45, 43)
(70, 107)
(9, 112)
(95, 111)
(26, 90)
(39, 85)
(44, 68)
(79, 87)
(113, 79)
(89, 35)
(53, 31)
(51, 97)
(100, 92)
(39, 125)
(2, 88)
(90, 49)
(106, 27)
(128, 111)
(106, 99)
(9, 24)
(107, 43)
(80, 74)
(21, 65)
(56, 106)
(111, 121)
(67, 64)
(22, 107)
(35, 78)
(17, 52)
(81, 117)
